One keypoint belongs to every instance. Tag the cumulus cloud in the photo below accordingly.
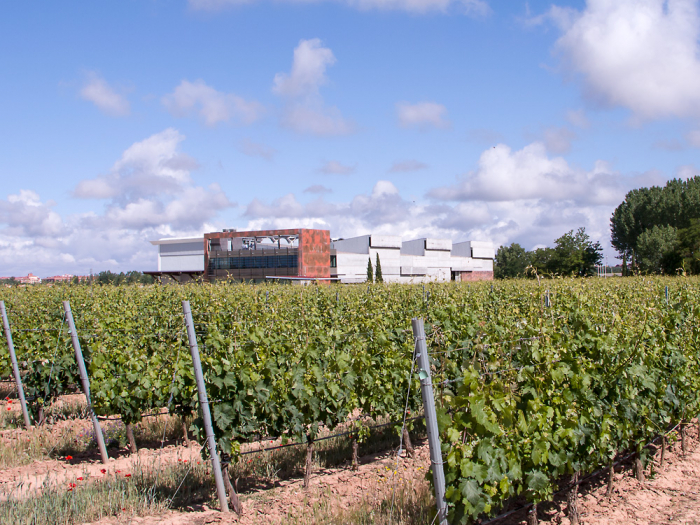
(105, 97)
(406, 166)
(210, 105)
(305, 110)
(475, 8)
(523, 196)
(506, 175)
(641, 55)
(148, 193)
(333, 167)
(308, 70)
(254, 149)
(422, 115)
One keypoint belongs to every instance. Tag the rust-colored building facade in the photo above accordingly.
(256, 255)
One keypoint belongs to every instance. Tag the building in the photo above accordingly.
(304, 255)
(180, 259)
(29, 279)
(65, 278)
(415, 261)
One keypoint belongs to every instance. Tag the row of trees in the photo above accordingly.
(657, 229)
(573, 254)
(106, 277)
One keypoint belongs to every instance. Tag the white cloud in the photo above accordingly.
(152, 166)
(211, 105)
(305, 110)
(407, 165)
(505, 175)
(333, 167)
(469, 7)
(422, 115)
(148, 193)
(640, 54)
(254, 149)
(308, 70)
(99, 92)
(512, 196)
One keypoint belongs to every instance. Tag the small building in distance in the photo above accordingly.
(304, 255)
(29, 279)
(414, 261)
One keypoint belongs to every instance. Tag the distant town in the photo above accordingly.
(104, 277)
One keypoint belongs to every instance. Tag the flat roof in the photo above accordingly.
(177, 240)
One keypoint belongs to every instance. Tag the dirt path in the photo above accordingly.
(671, 494)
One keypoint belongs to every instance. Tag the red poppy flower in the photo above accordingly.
(104, 471)
(127, 475)
(80, 478)
(68, 458)
(117, 471)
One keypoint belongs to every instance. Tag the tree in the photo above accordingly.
(378, 272)
(676, 204)
(370, 273)
(654, 246)
(575, 254)
(510, 261)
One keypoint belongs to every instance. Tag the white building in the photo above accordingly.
(416, 261)
(419, 260)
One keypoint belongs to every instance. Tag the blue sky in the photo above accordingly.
(506, 121)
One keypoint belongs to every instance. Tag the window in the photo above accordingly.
(334, 261)
(257, 261)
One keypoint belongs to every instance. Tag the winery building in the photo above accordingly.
(306, 255)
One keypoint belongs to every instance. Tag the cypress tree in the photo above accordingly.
(378, 272)
(370, 273)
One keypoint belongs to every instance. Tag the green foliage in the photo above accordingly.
(654, 247)
(510, 261)
(378, 272)
(534, 393)
(674, 205)
(574, 254)
(117, 279)
(370, 272)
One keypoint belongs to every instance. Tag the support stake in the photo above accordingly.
(204, 405)
(99, 437)
(426, 386)
(15, 367)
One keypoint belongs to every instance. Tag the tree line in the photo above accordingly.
(657, 229)
(573, 254)
(105, 277)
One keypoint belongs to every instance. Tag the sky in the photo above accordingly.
(133, 120)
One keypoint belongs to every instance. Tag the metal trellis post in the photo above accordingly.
(204, 405)
(426, 387)
(15, 367)
(99, 437)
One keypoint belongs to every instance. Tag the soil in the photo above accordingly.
(670, 493)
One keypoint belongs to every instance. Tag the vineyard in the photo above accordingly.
(537, 384)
